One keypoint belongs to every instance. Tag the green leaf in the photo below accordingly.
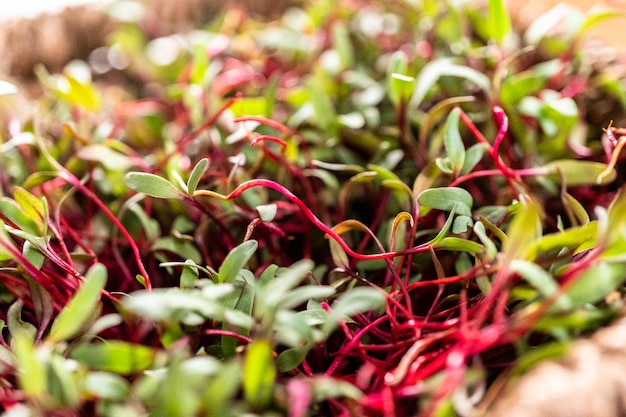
(114, 356)
(79, 93)
(593, 285)
(542, 25)
(62, 382)
(75, 314)
(524, 229)
(575, 209)
(342, 44)
(279, 289)
(42, 302)
(575, 172)
(15, 323)
(431, 72)
(305, 293)
(183, 248)
(31, 364)
(323, 107)
(32, 205)
(446, 199)
(457, 244)
(241, 300)
(455, 148)
(461, 224)
(107, 386)
(259, 374)
(189, 275)
(169, 304)
(33, 255)
(109, 158)
(473, 155)
(592, 19)
(498, 21)
(357, 300)
(535, 276)
(236, 260)
(339, 256)
(19, 217)
(152, 185)
(196, 175)
(398, 66)
(401, 86)
(267, 212)
(291, 358)
(325, 387)
(571, 238)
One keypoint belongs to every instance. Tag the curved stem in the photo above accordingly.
(309, 214)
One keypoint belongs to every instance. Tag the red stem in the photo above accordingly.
(309, 214)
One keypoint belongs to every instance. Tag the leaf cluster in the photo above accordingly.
(347, 211)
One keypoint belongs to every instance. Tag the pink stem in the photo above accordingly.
(309, 214)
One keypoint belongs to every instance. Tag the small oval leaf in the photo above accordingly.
(152, 185)
(196, 175)
(447, 198)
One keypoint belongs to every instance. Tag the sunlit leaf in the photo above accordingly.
(577, 172)
(33, 255)
(32, 367)
(578, 212)
(31, 205)
(498, 21)
(398, 66)
(592, 285)
(259, 374)
(571, 238)
(592, 18)
(458, 244)
(524, 229)
(402, 86)
(114, 356)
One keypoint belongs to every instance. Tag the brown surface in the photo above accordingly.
(588, 382)
(611, 31)
(55, 40)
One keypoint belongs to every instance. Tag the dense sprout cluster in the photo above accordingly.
(361, 208)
